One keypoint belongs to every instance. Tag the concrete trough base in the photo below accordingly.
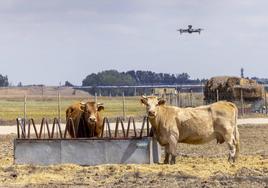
(86, 151)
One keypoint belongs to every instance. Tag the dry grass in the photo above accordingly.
(195, 165)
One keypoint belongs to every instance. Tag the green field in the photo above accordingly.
(37, 108)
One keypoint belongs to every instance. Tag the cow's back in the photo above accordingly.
(203, 124)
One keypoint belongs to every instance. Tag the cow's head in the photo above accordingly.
(151, 104)
(91, 110)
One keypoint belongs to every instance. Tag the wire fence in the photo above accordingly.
(245, 107)
(51, 107)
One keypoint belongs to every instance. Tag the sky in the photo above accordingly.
(51, 41)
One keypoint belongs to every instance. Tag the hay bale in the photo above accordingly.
(229, 88)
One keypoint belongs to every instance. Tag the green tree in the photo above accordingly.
(3, 81)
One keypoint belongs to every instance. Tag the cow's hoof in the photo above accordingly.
(231, 159)
(173, 161)
(166, 161)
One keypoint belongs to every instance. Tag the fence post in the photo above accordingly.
(96, 97)
(135, 91)
(179, 99)
(59, 107)
(242, 102)
(24, 108)
(217, 95)
(192, 100)
(265, 99)
(124, 112)
(175, 97)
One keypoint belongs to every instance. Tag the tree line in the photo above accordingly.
(134, 78)
(113, 77)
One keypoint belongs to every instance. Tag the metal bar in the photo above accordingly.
(66, 128)
(103, 125)
(22, 125)
(131, 119)
(148, 128)
(35, 130)
(72, 123)
(123, 128)
(48, 131)
(142, 127)
(91, 138)
(41, 128)
(106, 121)
(134, 127)
(41, 133)
(53, 129)
(56, 121)
(59, 125)
(29, 128)
(116, 127)
(18, 128)
(128, 126)
(69, 124)
(124, 110)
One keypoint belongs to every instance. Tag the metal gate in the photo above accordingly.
(50, 143)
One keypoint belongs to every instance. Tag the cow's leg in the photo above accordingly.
(232, 152)
(172, 148)
(232, 147)
(166, 161)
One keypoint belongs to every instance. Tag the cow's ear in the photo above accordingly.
(143, 100)
(100, 107)
(82, 107)
(161, 101)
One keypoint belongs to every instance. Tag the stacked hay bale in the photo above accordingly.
(229, 88)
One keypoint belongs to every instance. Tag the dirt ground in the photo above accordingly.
(197, 166)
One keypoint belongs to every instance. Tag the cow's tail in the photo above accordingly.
(236, 135)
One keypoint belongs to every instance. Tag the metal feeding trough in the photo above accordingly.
(50, 145)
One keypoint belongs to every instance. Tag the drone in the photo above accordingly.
(190, 30)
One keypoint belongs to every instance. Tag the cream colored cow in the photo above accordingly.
(198, 125)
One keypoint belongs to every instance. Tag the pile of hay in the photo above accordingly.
(229, 88)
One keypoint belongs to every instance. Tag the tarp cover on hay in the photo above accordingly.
(229, 88)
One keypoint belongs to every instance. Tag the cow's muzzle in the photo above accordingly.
(151, 114)
(92, 120)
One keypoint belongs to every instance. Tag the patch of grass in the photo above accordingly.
(37, 108)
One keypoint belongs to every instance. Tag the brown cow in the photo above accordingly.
(198, 125)
(86, 118)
